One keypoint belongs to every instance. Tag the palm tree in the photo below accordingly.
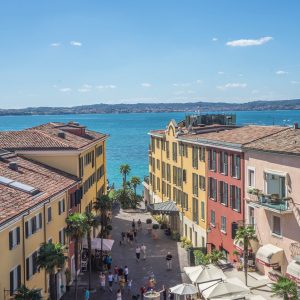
(135, 181)
(102, 205)
(76, 229)
(285, 288)
(92, 222)
(246, 234)
(51, 257)
(23, 293)
(214, 256)
(124, 170)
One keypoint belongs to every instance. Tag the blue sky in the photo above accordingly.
(65, 53)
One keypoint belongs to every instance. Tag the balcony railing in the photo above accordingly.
(270, 202)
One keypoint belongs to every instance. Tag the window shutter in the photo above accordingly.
(231, 164)
(219, 162)
(33, 225)
(231, 195)
(64, 207)
(208, 186)
(18, 235)
(238, 166)
(34, 262)
(209, 159)
(238, 197)
(26, 229)
(40, 220)
(220, 191)
(225, 163)
(226, 193)
(11, 282)
(59, 208)
(27, 268)
(19, 275)
(10, 240)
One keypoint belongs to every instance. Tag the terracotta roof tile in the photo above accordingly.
(47, 180)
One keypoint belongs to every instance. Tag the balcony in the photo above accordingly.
(270, 202)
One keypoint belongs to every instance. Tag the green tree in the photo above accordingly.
(246, 234)
(23, 293)
(214, 256)
(92, 222)
(135, 181)
(200, 258)
(51, 257)
(285, 288)
(76, 229)
(124, 170)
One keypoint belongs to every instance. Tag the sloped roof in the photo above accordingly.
(165, 207)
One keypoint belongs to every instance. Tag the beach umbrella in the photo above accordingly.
(200, 274)
(184, 289)
(229, 288)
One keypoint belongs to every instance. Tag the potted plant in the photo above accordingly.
(149, 222)
(250, 191)
(68, 279)
(255, 191)
(183, 241)
(155, 227)
(274, 198)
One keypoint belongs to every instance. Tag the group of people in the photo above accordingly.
(131, 235)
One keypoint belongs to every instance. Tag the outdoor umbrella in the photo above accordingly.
(229, 288)
(96, 244)
(200, 274)
(184, 289)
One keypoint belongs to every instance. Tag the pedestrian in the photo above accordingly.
(126, 272)
(116, 272)
(122, 282)
(108, 261)
(131, 237)
(102, 281)
(135, 235)
(129, 285)
(133, 224)
(138, 253)
(169, 261)
(164, 292)
(123, 236)
(143, 249)
(86, 294)
(120, 273)
(110, 279)
(128, 236)
(139, 225)
(143, 291)
(119, 295)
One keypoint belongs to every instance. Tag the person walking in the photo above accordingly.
(129, 286)
(110, 279)
(131, 238)
(164, 292)
(139, 225)
(133, 224)
(108, 261)
(86, 294)
(126, 272)
(102, 281)
(122, 282)
(143, 249)
(116, 272)
(119, 295)
(135, 235)
(138, 253)
(169, 261)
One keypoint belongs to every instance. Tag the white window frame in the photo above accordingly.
(14, 237)
(276, 173)
(249, 208)
(248, 177)
(62, 231)
(223, 218)
(15, 272)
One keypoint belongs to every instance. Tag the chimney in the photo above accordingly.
(61, 134)
(296, 126)
(13, 166)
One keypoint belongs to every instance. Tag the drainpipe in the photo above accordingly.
(182, 208)
(23, 251)
(45, 237)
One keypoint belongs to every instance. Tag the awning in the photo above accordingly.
(293, 271)
(239, 245)
(166, 207)
(269, 255)
(96, 244)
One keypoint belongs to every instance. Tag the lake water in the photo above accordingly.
(128, 142)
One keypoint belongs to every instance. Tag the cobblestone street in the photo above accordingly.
(138, 272)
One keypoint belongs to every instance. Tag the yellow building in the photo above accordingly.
(34, 206)
(177, 172)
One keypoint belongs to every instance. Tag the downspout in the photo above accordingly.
(45, 237)
(23, 251)
(182, 208)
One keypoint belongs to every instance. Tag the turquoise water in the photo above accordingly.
(128, 142)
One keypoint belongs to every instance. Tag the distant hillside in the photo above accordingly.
(156, 107)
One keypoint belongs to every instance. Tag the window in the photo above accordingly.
(49, 214)
(163, 145)
(276, 225)
(184, 175)
(168, 149)
(15, 279)
(275, 184)
(99, 150)
(223, 224)
(202, 182)
(163, 170)
(169, 191)
(81, 167)
(212, 218)
(163, 188)
(14, 238)
(251, 177)
(89, 158)
(157, 143)
(235, 198)
(158, 184)
(183, 150)
(195, 157)
(202, 154)
(62, 237)
(195, 211)
(202, 211)
(223, 193)
(153, 144)
(168, 173)
(212, 188)
(100, 172)
(223, 163)
(185, 201)
(235, 166)
(251, 215)
(158, 164)
(61, 206)
(195, 184)
(31, 265)
(33, 224)
(174, 151)
(212, 160)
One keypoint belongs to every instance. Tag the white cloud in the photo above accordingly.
(233, 85)
(214, 39)
(281, 72)
(107, 86)
(199, 81)
(185, 84)
(249, 42)
(87, 86)
(75, 43)
(55, 44)
(83, 90)
(146, 84)
(65, 90)
(221, 72)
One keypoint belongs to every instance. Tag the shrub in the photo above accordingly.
(200, 258)
(188, 244)
(149, 221)
(155, 226)
(158, 219)
(109, 227)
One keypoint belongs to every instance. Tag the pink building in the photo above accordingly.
(272, 193)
